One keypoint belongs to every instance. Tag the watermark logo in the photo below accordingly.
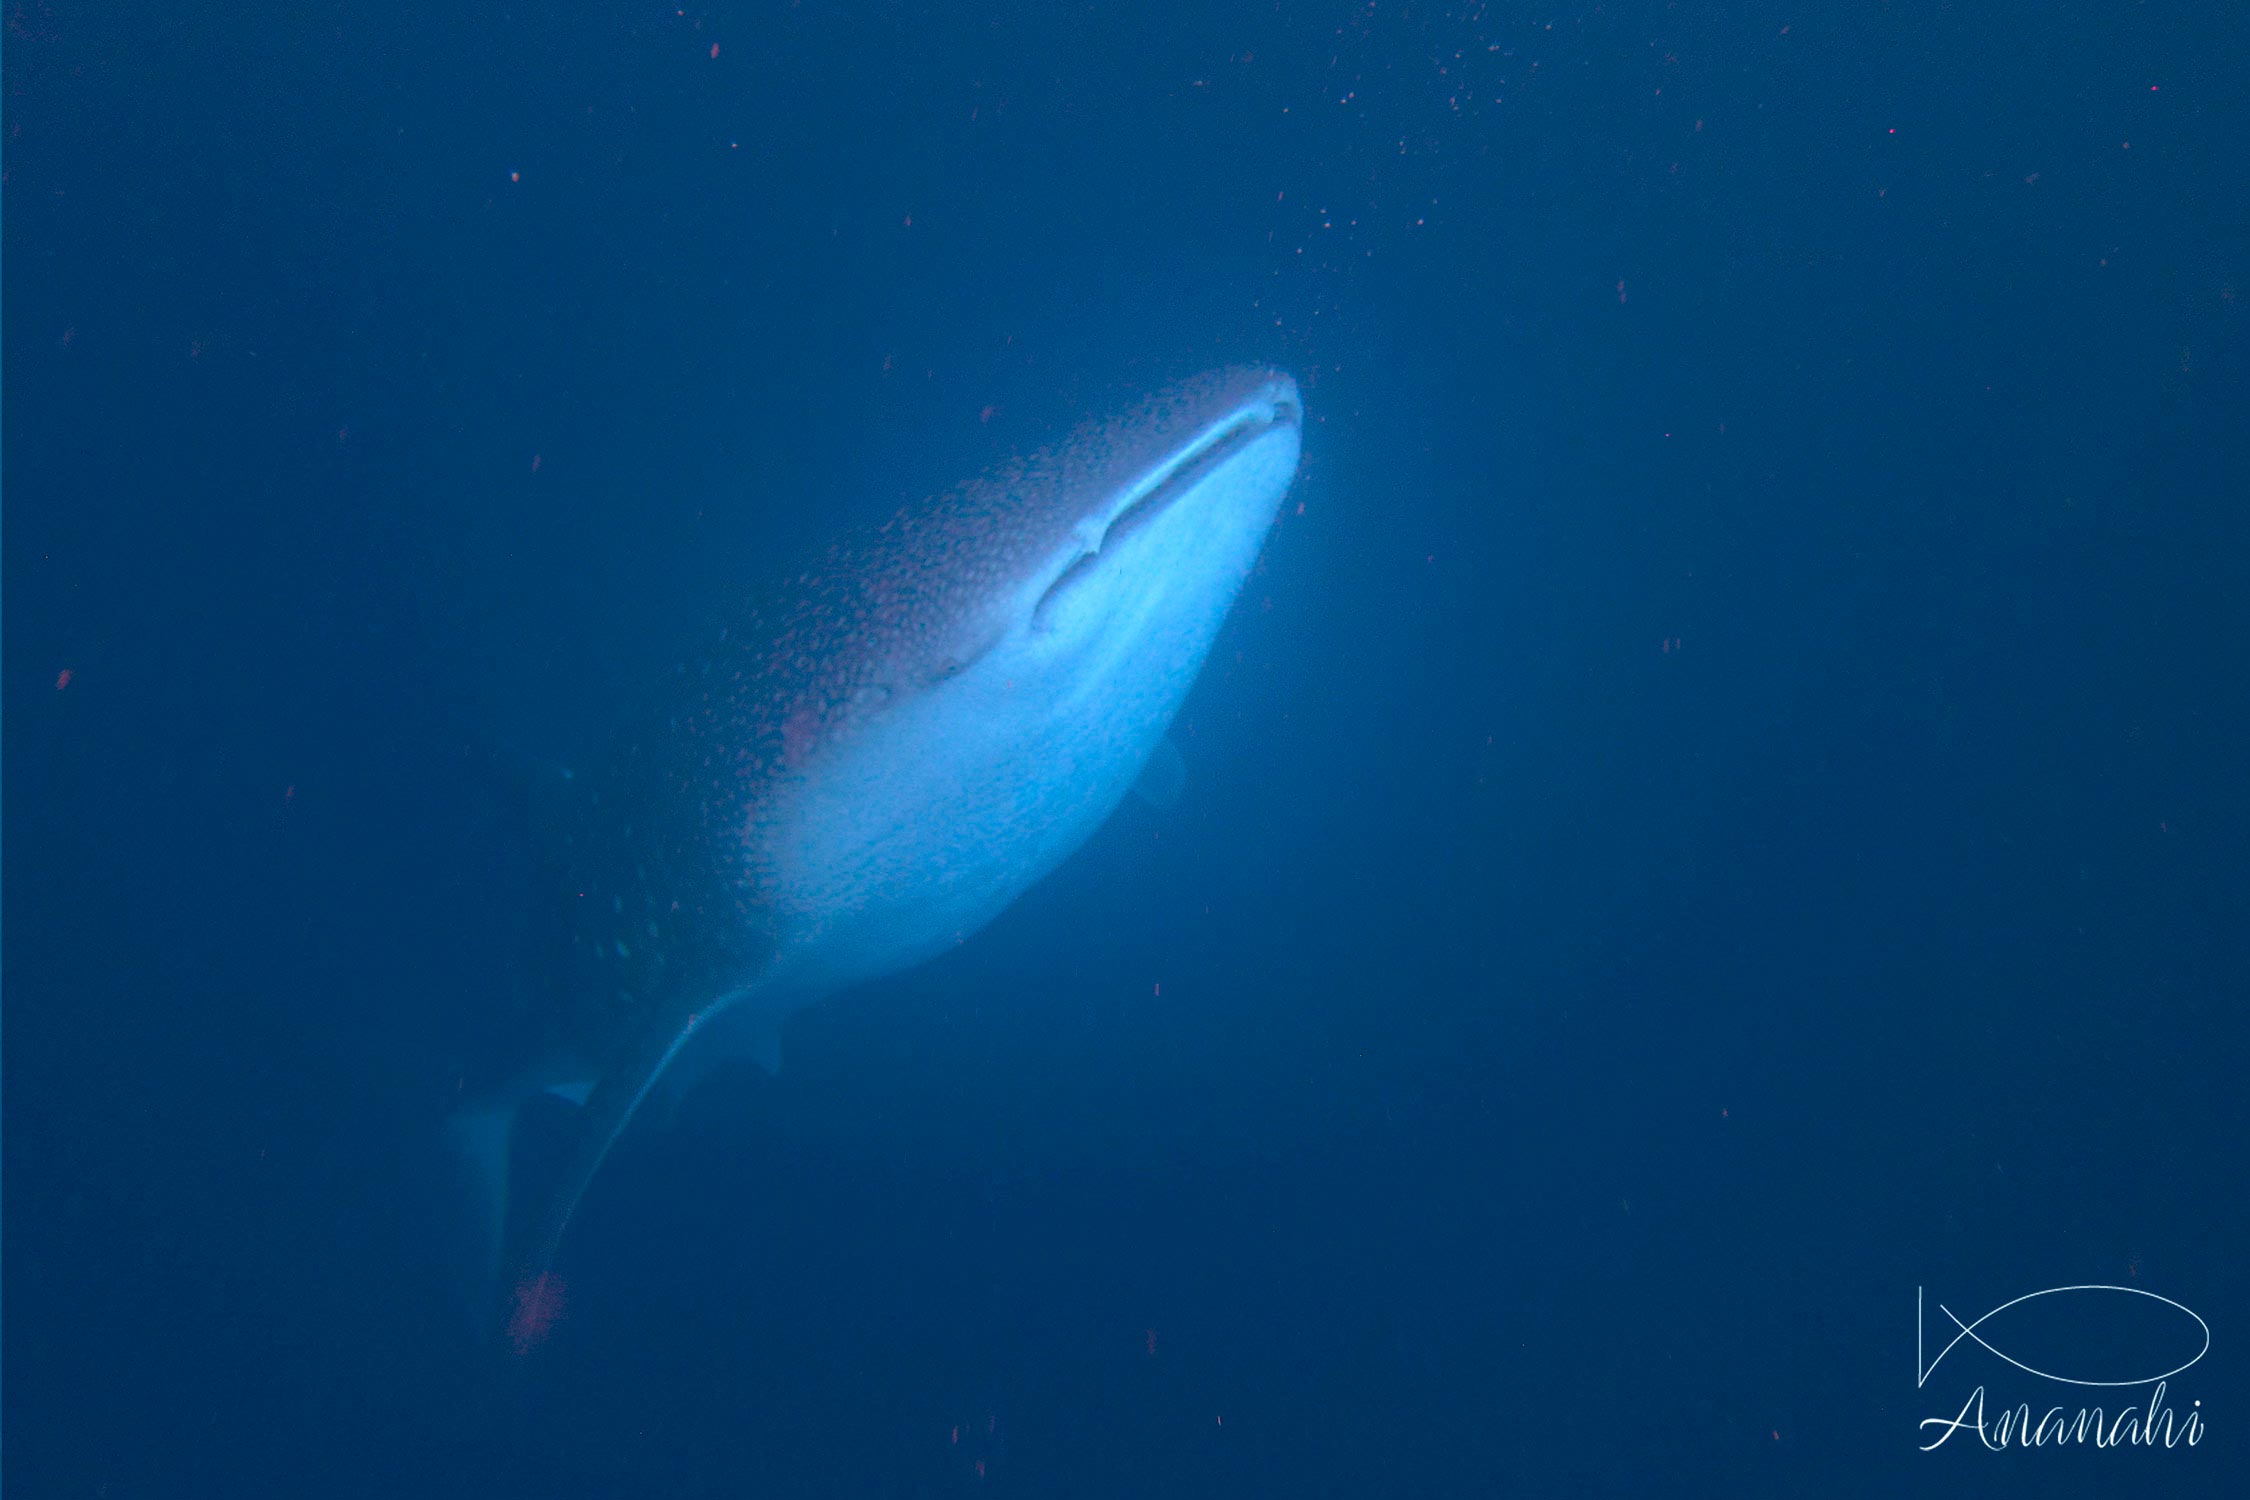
(2119, 1339)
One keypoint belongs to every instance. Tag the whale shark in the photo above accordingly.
(874, 762)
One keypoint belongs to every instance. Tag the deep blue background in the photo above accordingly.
(1725, 805)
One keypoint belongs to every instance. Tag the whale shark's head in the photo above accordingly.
(994, 668)
(1130, 540)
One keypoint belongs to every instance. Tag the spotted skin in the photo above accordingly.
(885, 754)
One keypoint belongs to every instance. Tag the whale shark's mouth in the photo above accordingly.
(1180, 477)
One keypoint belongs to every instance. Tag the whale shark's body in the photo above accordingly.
(870, 770)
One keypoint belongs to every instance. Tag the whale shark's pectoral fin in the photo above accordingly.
(743, 1033)
(519, 1200)
(1163, 777)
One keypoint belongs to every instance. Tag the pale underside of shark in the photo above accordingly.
(858, 779)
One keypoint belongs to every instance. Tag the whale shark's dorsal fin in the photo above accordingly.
(517, 1224)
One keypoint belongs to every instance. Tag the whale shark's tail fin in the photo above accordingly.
(517, 1188)
(477, 1148)
(496, 1147)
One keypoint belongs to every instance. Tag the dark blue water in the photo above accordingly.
(1725, 804)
